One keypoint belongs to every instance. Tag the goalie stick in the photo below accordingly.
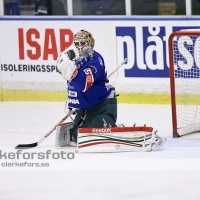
(125, 60)
(26, 146)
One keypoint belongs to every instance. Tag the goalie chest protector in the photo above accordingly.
(89, 87)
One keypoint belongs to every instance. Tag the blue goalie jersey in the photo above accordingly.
(90, 84)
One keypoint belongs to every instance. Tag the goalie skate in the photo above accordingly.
(158, 143)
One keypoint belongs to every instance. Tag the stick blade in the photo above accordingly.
(26, 146)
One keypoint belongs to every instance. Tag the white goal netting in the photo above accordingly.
(186, 61)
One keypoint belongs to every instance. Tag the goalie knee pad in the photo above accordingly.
(63, 134)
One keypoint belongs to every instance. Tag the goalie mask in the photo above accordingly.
(84, 41)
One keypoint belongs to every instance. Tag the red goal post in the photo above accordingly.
(184, 61)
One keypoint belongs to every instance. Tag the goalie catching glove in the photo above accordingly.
(66, 63)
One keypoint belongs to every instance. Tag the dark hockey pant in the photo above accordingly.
(101, 115)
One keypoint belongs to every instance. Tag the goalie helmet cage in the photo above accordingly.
(184, 61)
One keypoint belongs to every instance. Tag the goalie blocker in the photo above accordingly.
(111, 139)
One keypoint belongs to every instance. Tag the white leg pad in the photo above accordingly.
(63, 134)
(115, 139)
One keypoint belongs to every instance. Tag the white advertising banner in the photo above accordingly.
(29, 49)
(145, 43)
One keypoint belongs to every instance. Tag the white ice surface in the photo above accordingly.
(171, 173)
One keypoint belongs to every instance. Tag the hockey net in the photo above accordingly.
(184, 58)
